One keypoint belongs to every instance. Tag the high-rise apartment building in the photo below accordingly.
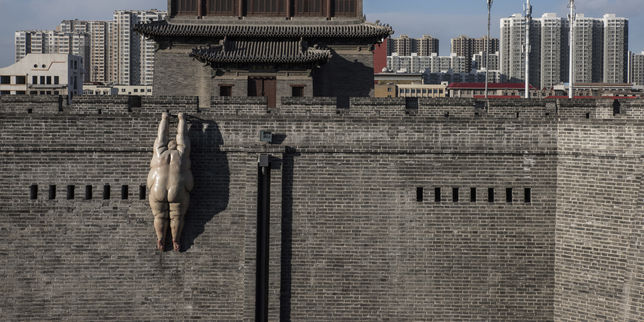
(512, 49)
(427, 45)
(111, 52)
(601, 49)
(615, 49)
(551, 47)
(588, 38)
(131, 55)
(637, 68)
(22, 42)
(467, 47)
(98, 42)
(479, 60)
(405, 46)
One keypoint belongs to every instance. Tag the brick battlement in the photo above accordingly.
(328, 106)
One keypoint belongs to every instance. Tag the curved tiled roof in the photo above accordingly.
(250, 52)
(162, 28)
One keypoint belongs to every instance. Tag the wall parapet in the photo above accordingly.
(460, 108)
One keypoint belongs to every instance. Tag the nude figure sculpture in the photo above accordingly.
(170, 181)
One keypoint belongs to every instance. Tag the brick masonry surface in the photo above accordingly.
(387, 210)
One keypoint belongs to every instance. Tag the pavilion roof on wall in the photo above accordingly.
(254, 52)
(164, 29)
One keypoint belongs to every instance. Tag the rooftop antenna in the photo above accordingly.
(528, 19)
(571, 71)
(487, 45)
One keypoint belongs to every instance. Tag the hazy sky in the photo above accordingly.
(441, 19)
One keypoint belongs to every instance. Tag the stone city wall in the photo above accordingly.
(390, 209)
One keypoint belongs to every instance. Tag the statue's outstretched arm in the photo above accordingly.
(183, 140)
(161, 143)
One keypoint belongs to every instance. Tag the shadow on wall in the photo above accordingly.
(212, 179)
(344, 77)
(288, 163)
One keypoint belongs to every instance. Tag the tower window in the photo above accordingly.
(225, 90)
(297, 91)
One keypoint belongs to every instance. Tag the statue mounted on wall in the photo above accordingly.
(170, 181)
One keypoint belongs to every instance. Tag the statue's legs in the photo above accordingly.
(177, 215)
(160, 211)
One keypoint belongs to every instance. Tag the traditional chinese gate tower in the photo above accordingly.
(272, 48)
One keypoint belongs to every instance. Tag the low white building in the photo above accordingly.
(43, 74)
(98, 89)
(136, 90)
(101, 89)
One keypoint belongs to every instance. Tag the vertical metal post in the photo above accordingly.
(263, 219)
(528, 19)
(571, 72)
(487, 47)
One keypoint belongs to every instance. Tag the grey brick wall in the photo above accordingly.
(349, 240)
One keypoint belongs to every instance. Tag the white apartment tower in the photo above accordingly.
(22, 42)
(615, 49)
(552, 46)
(98, 43)
(478, 61)
(637, 68)
(131, 55)
(588, 49)
(512, 52)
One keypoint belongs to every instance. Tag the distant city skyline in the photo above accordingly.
(442, 20)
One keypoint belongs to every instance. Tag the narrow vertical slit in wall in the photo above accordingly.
(616, 107)
(29, 111)
(455, 194)
(33, 192)
(124, 192)
(508, 195)
(70, 192)
(142, 191)
(490, 194)
(106, 192)
(527, 195)
(472, 194)
(587, 115)
(437, 194)
(88, 192)
(419, 194)
(52, 192)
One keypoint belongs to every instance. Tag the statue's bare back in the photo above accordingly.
(170, 181)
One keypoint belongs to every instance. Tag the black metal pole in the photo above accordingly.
(263, 219)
